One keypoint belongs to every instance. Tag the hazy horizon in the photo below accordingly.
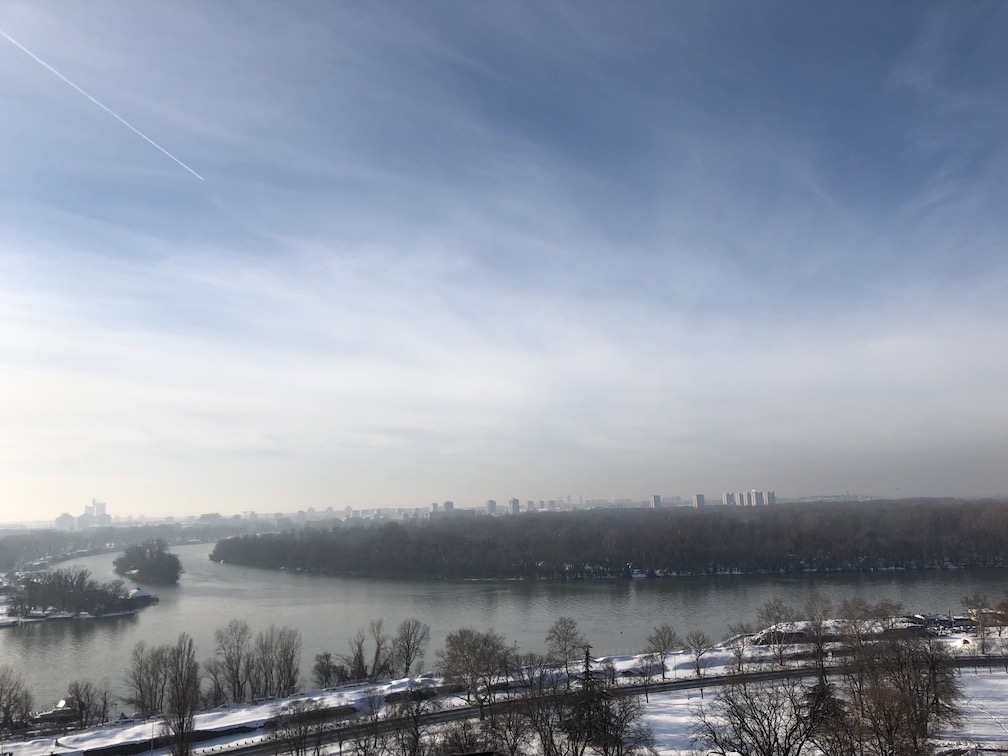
(287, 255)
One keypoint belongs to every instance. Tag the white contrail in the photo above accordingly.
(108, 110)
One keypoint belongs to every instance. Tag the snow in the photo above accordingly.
(985, 704)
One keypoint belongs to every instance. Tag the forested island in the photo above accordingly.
(149, 562)
(69, 592)
(783, 538)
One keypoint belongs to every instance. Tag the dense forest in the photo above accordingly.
(784, 538)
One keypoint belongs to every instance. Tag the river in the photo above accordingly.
(616, 616)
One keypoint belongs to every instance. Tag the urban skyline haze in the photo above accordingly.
(274, 256)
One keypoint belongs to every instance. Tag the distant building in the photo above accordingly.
(728, 499)
(491, 507)
(515, 506)
(752, 498)
(449, 506)
(65, 522)
(656, 501)
(698, 500)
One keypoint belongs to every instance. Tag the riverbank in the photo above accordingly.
(669, 710)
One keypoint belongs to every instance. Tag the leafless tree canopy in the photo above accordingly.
(90, 701)
(182, 699)
(234, 652)
(699, 644)
(298, 726)
(15, 701)
(895, 694)
(410, 643)
(755, 719)
(663, 641)
(146, 679)
(776, 617)
(565, 642)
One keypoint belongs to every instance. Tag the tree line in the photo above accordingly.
(25, 546)
(784, 538)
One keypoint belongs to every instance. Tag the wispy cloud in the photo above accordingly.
(513, 252)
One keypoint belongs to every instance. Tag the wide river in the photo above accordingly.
(616, 616)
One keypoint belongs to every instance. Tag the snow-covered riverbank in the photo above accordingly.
(985, 703)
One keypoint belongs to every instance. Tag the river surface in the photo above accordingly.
(616, 616)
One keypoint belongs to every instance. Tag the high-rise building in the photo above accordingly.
(449, 506)
(515, 506)
(698, 500)
(491, 507)
(728, 499)
(656, 501)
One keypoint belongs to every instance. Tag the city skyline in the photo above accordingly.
(367, 255)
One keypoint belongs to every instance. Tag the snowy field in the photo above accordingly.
(985, 705)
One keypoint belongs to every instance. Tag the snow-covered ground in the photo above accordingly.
(985, 705)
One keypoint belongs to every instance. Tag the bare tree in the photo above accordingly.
(977, 606)
(215, 693)
(899, 692)
(16, 701)
(465, 736)
(326, 671)
(818, 613)
(90, 701)
(354, 659)
(277, 662)
(749, 718)
(512, 727)
(619, 728)
(410, 642)
(288, 661)
(298, 726)
(699, 644)
(739, 639)
(474, 660)
(548, 706)
(565, 643)
(234, 650)
(645, 669)
(381, 660)
(146, 678)
(778, 619)
(663, 641)
(410, 713)
(183, 695)
(369, 738)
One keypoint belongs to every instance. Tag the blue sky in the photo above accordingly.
(482, 250)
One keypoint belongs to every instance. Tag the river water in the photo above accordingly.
(616, 616)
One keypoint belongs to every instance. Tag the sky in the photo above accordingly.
(276, 255)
